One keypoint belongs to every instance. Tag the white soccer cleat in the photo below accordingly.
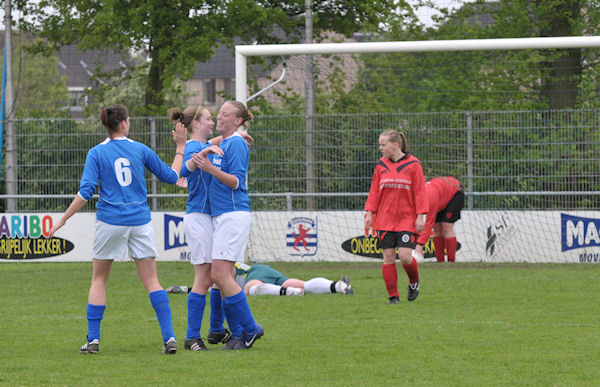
(344, 286)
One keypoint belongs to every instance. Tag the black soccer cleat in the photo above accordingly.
(90, 347)
(413, 291)
(250, 339)
(170, 347)
(393, 300)
(218, 337)
(234, 343)
(194, 345)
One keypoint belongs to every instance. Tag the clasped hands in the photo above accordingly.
(201, 159)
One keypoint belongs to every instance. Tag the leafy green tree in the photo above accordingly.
(561, 72)
(485, 80)
(176, 35)
(130, 90)
(40, 90)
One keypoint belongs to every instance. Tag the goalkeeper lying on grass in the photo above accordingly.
(263, 280)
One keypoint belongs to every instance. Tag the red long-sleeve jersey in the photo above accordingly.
(397, 194)
(439, 192)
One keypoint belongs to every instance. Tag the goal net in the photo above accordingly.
(486, 112)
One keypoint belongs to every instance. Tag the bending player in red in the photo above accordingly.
(397, 196)
(446, 200)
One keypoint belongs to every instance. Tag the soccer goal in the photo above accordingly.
(529, 172)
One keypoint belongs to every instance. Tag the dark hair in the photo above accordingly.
(111, 116)
(242, 112)
(395, 136)
(186, 117)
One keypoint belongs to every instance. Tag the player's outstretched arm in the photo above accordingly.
(249, 140)
(211, 149)
(77, 203)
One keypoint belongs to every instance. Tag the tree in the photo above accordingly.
(560, 72)
(176, 35)
(40, 91)
(484, 80)
(130, 91)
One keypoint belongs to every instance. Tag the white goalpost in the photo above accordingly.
(519, 234)
(244, 51)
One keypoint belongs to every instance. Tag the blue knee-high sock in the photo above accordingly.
(160, 302)
(240, 308)
(217, 316)
(233, 318)
(94, 317)
(196, 303)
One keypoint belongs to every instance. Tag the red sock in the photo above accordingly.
(412, 270)
(451, 248)
(390, 277)
(438, 245)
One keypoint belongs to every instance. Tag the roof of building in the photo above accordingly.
(79, 66)
(222, 65)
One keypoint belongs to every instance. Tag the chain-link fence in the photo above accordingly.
(505, 160)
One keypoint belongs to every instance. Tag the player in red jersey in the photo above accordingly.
(397, 197)
(446, 200)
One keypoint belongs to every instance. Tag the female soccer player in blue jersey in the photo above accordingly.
(197, 224)
(230, 212)
(123, 217)
(198, 227)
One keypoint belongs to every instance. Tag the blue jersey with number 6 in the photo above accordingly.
(119, 166)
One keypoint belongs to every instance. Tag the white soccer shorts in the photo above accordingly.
(111, 241)
(232, 231)
(199, 230)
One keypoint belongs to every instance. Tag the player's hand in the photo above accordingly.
(182, 182)
(247, 137)
(202, 162)
(179, 134)
(418, 256)
(215, 149)
(420, 223)
(55, 228)
(370, 224)
(418, 251)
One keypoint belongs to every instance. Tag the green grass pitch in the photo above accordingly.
(473, 324)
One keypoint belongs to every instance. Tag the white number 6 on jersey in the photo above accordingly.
(123, 171)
